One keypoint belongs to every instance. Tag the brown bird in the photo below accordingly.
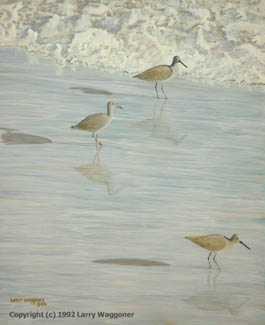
(95, 122)
(215, 243)
(160, 72)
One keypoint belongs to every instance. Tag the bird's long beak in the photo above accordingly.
(183, 63)
(244, 244)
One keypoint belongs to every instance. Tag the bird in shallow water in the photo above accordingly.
(96, 122)
(159, 73)
(215, 243)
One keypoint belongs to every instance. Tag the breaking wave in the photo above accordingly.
(220, 41)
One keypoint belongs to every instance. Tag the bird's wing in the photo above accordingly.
(210, 242)
(159, 72)
(93, 122)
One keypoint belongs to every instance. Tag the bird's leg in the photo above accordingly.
(216, 261)
(96, 139)
(165, 96)
(210, 265)
(98, 143)
(97, 158)
(156, 90)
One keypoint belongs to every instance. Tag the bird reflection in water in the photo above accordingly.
(162, 127)
(160, 124)
(97, 173)
(215, 299)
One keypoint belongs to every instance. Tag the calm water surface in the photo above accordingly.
(191, 165)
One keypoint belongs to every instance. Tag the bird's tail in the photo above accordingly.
(188, 237)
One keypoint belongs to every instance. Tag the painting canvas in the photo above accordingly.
(132, 162)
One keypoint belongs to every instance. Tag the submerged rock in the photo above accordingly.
(131, 262)
(23, 138)
(93, 91)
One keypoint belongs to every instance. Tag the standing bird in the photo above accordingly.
(96, 122)
(215, 243)
(160, 72)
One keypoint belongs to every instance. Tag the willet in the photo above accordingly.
(215, 243)
(159, 73)
(96, 122)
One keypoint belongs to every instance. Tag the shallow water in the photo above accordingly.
(191, 165)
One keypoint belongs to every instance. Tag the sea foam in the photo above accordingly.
(220, 41)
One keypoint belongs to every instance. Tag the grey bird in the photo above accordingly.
(96, 122)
